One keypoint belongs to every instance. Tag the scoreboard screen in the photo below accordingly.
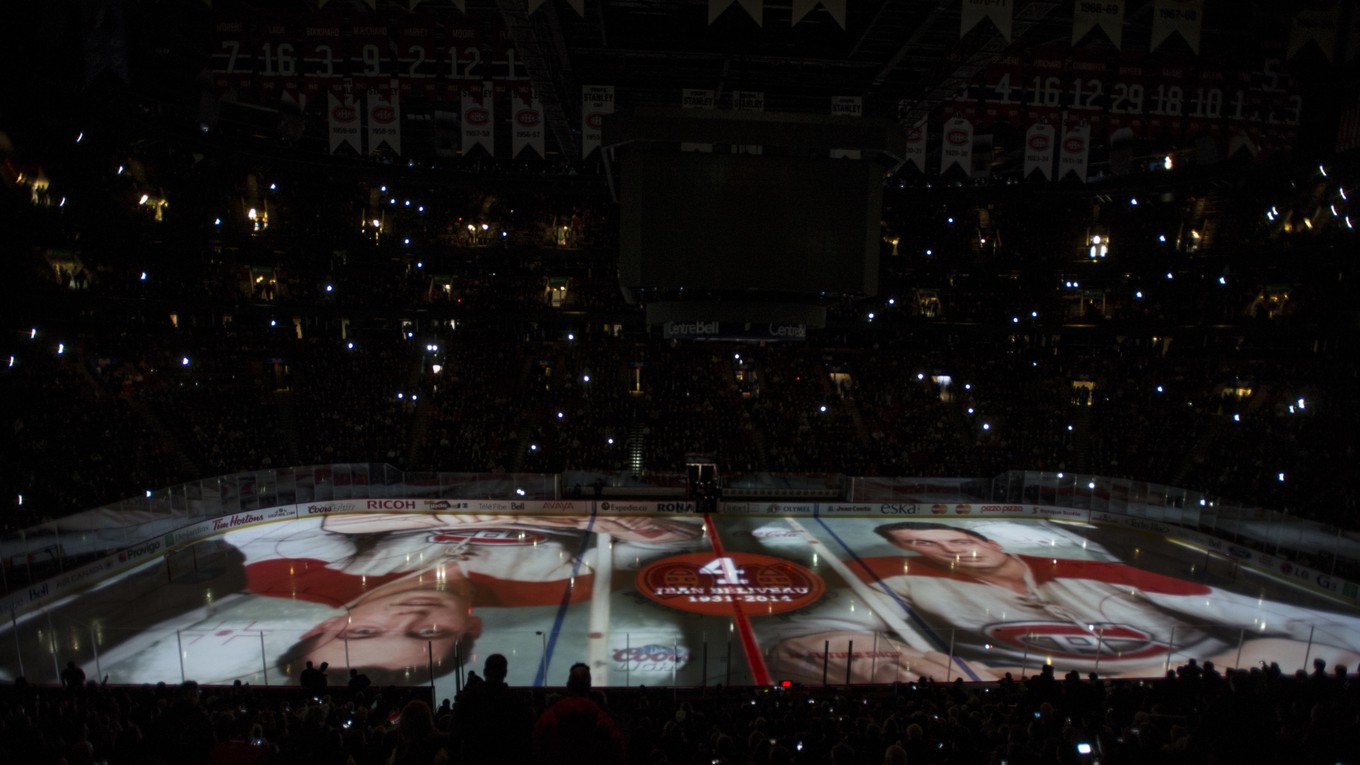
(741, 222)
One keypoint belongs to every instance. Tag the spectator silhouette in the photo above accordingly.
(184, 734)
(358, 682)
(418, 741)
(575, 730)
(308, 678)
(73, 677)
(491, 723)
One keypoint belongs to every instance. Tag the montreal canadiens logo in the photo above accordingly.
(1074, 144)
(1038, 142)
(384, 114)
(1118, 641)
(594, 120)
(748, 583)
(478, 116)
(957, 137)
(527, 119)
(487, 537)
(344, 113)
(914, 134)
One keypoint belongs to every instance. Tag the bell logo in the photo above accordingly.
(594, 120)
(384, 113)
(957, 137)
(1039, 142)
(1074, 145)
(527, 119)
(478, 116)
(343, 113)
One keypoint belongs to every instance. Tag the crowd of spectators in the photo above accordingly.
(206, 395)
(1195, 714)
(1209, 347)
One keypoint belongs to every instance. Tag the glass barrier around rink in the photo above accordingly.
(41, 649)
(1106, 651)
(51, 548)
(1321, 546)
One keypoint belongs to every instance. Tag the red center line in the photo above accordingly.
(760, 674)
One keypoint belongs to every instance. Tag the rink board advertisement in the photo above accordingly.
(402, 588)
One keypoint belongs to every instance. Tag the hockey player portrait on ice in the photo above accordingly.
(388, 594)
(956, 592)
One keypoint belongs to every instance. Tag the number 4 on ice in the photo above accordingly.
(725, 569)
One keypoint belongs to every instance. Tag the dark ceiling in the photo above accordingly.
(902, 57)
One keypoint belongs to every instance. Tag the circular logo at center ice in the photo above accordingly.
(704, 583)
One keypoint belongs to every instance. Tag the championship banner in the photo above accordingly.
(1075, 153)
(956, 148)
(384, 120)
(596, 101)
(1183, 17)
(915, 153)
(834, 8)
(753, 7)
(974, 11)
(526, 122)
(846, 106)
(322, 63)
(343, 118)
(748, 101)
(1039, 140)
(1316, 22)
(697, 98)
(1105, 15)
(478, 119)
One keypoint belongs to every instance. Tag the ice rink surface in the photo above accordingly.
(685, 599)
